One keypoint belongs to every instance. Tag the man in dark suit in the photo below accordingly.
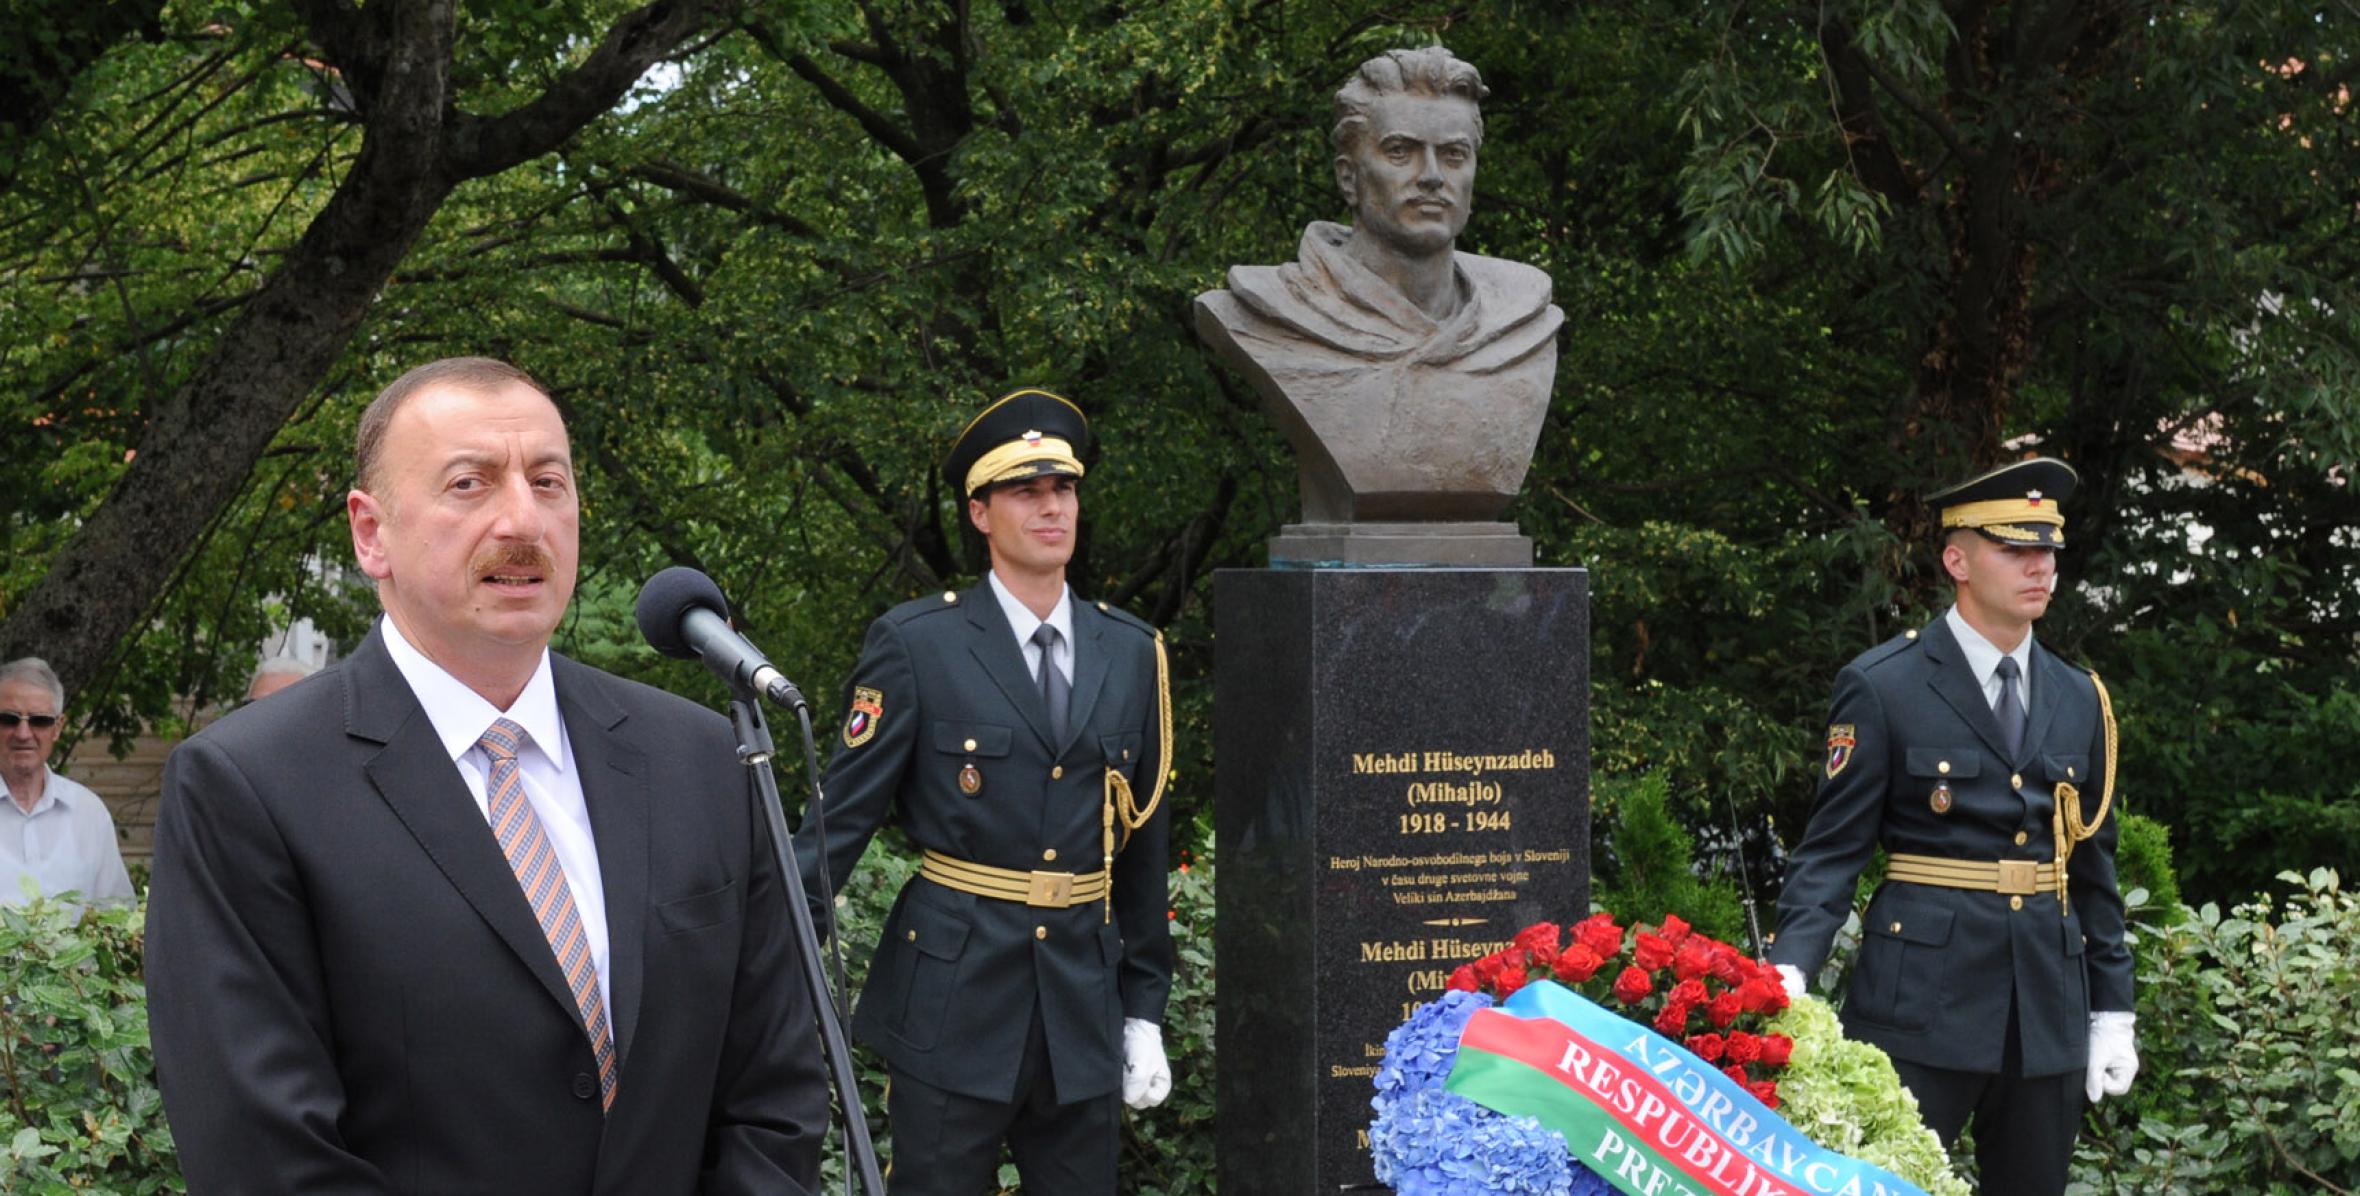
(1022, 737)
(1992, 966)
(462, 916)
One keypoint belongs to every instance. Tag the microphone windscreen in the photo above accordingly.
(669, 596)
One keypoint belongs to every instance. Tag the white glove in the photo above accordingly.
(1147, 1075)
(1792, 977)
(2114, 1061)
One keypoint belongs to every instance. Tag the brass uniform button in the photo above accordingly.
(1049, 856)
(970, 745)
(950, 596)
(2016, 781)
(1056, 772)
(913, 936)
(1896, 928)
(1042, 932)
(1913, 633)
(2069, 772)
(1102, 606)
(2015, 903)
(2020, 837)
(1943, 768)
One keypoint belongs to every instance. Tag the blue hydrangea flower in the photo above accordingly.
(1426, 1141)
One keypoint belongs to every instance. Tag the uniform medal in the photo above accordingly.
(970, 779)
(1941, 799)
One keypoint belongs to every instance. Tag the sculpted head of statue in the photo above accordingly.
(1407, 128)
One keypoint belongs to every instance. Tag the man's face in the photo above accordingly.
(1029, 525)
(474, 530)
(1411, 173)
(27, 747)
(2007, 584)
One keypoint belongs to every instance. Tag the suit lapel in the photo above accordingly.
(614, 779)
(1089, 671)
(418, 780)
(1956, 685)
(994, 644)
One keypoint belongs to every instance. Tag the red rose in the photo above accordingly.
(1687, 992)
(1510, 981)
(1673, 1021)
(1577, 964)
(1487, 970)
(1673, 929)
(1632, 985)
(1599, 933)
(1765, 1091)
(1652, 951)
(1706, 1047)
(1736, 1075)
(1725, 1008)
(1777, 1049)
(1694, 959)
(1743, 1048)
(1762, 994)
(1537, 935)
(1544, 956)
(1729, 967)
(1463, 980)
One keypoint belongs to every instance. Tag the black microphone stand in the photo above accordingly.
(755, 750)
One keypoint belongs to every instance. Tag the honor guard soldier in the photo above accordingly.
(1992, 966)
(1022, 737)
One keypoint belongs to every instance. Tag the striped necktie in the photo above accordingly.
(527, 847)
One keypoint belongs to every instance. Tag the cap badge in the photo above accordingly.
(1032, 438)
(861, 724)
(2033, 497)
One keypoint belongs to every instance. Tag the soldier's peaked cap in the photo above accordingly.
(1027, 433)
(2017, 503)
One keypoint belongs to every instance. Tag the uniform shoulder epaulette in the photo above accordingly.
(1888, 650)
(1119, 615)
(920, 607)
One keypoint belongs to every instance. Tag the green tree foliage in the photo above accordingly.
(1813, 260)
(1651, 869)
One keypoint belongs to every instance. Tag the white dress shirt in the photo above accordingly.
(545, 764)
(1024, 623)
(66, 844)
(1983, 660)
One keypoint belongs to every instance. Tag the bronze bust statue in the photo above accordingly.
(1411, 378)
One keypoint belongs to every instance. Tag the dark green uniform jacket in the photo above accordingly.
(1939, 967)
(951, 989)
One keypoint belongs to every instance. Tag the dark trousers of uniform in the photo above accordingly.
(2024, 1125)
(945, 1144)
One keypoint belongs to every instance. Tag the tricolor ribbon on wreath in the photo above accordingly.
(1640, 1110)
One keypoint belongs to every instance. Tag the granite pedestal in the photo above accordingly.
(1403, 784)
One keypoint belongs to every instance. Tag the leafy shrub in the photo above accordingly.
(80, 1113)
(2249, 1082)
(1654, 864)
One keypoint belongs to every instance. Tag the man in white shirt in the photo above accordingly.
(53, 831)
(1992, 966)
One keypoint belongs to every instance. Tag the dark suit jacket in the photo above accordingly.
(349, 993)
(1939, 967)
(951, 990)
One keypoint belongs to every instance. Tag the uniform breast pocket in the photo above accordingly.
(1935, 764)
(2070, 770)
(1122, 751)
(970, 739)
(1900, 975)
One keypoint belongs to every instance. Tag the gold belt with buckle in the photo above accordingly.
(2021, 878)
(1046, 890)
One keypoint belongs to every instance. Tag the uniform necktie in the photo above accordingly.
(1056, 692)
(527, 847)
(2011, 706)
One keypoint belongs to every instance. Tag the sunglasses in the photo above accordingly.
(41, 722)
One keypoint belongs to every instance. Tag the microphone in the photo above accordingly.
(682, 614)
